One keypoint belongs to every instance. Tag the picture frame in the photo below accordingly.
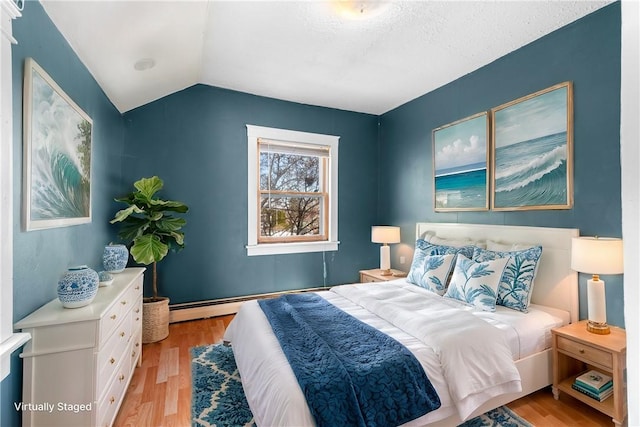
(56, 154)
(460, 165)
(532, 151)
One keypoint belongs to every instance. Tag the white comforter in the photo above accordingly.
(466, 359)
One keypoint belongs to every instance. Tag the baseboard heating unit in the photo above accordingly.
(220, 307)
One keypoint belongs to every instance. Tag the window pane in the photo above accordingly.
(290, 216)
(289, 172)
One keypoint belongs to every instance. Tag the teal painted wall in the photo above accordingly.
(40, 257)
(196, 141)
(586, 52)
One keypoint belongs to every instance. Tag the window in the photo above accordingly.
(292, 191)
(293, 202)
(9, 341)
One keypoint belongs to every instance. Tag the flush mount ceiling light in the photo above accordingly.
(144, 64)
(359, 9)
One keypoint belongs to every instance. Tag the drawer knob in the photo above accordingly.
(113, 399)
(138, 288)
(133, 354)
(123, 302)
(121, 377)
(581, 351)
(113, 317)
(112, 360)
(137, 344)
(122, 334)
(137, 310)
(137, 318)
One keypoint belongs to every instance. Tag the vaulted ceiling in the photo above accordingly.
(365, 56)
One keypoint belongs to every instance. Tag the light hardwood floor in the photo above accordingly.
(160, 391)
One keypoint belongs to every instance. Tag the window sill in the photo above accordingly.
(7, 347)
(291, 248)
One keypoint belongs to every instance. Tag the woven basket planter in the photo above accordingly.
(155, 320)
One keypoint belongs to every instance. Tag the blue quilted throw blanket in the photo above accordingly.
(350, 373)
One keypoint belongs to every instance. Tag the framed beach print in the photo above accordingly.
(460, 158)
(533, 151)
(56, 154)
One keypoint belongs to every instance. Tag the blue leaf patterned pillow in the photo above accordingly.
(476, 283)
(516, 283)
(424, 249)
(433, 274)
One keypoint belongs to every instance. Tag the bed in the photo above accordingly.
(275, 397)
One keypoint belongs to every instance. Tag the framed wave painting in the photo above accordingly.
(460, 157)
(56, 155)
(533, 151)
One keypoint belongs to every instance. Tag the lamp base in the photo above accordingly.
(386, 272)
(598, 328)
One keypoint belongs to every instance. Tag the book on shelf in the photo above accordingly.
(600, 397)
(607, 386)
(594, 381)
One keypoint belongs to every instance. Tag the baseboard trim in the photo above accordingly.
(221, 307)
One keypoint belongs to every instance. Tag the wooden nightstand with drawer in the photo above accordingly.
(575, 350)
(375, 275)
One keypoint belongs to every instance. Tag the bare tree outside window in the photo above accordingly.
(292, 197)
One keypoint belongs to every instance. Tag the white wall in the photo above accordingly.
(630, 159)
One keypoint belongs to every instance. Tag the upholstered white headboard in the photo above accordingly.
(556, 284)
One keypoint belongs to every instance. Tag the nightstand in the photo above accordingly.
(576, 350)
(375, 275)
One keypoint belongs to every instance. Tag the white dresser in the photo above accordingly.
(80, 361)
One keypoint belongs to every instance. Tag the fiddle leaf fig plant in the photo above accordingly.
(149, 224)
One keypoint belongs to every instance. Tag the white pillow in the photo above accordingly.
(432, 238)
(476, 283)
(499, 246)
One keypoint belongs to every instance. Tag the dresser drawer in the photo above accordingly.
(116, 314)
(135, 290)
(113, 353)
(108, 405)
(136, 316)
(134, 349)
(132, 295)
(585, 352)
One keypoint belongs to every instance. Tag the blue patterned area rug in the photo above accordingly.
(499, 417)
(218, 399)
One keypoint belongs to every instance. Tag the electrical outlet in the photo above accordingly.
(402, 260)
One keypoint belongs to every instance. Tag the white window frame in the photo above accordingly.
(9, 342)
(255, 248)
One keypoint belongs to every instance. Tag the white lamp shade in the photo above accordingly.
(597, 255)
(385, 234)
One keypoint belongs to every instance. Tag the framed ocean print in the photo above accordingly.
(532, 144)
(460, 158)
(56, 154)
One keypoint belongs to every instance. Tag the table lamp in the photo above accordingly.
(597, 255)
(385, 234)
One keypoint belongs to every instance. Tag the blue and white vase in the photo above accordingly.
(106, 278)
(77, 287)
(115, 258)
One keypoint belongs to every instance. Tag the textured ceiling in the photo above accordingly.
(371, 58)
